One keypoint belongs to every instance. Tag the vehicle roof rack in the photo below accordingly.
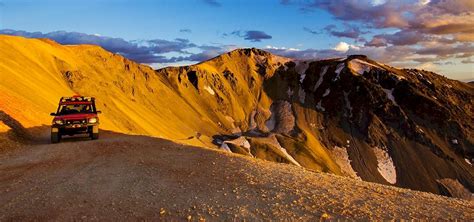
(77, 98)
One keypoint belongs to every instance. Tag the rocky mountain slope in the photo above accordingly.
(347, 116)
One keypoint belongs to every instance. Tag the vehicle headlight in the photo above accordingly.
(59, 122)
(93, 120)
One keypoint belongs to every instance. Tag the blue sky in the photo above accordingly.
(386, 30)
(147, 19)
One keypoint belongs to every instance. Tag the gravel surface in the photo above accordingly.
(121, 177)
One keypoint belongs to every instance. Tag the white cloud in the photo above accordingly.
(424, 2)
(378, 2)
(281, 48)
(344, 47)
(354, 47)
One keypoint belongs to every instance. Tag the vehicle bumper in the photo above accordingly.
(75, 128)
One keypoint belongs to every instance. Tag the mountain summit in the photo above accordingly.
(348, 116)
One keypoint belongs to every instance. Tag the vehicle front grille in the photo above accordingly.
(76, 121)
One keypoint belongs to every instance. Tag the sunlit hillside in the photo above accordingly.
(133, 98)
(350, 116)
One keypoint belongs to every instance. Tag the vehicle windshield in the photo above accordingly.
(75, 108)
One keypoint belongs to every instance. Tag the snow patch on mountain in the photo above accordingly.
(301, 95)
(341, 59)
(282, 151)
(225, 147)
(301, 67)
(342, 159)
(289, 92)
(320, 107)
(348, 103)
(271, 122)
(327, 92)
(360, 66)
(321, 78)
(302, 77)
(390, 96)
(467, 161)
(241, 141)
(385, 165)
(338, 71)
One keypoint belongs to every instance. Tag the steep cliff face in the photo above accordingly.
(348, 116)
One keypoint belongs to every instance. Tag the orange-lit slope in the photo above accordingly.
(35, 73)
(348, 116)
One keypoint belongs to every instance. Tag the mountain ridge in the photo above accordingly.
(348, 116)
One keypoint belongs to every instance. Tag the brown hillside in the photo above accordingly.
(350, 116)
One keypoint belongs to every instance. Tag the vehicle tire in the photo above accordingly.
(95, 133)
(55, 137)
(94, 136)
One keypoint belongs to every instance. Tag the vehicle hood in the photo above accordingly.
(77, 116)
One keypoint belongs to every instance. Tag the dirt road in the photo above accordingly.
(121, 177)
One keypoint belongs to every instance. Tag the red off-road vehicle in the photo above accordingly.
(75, 115)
